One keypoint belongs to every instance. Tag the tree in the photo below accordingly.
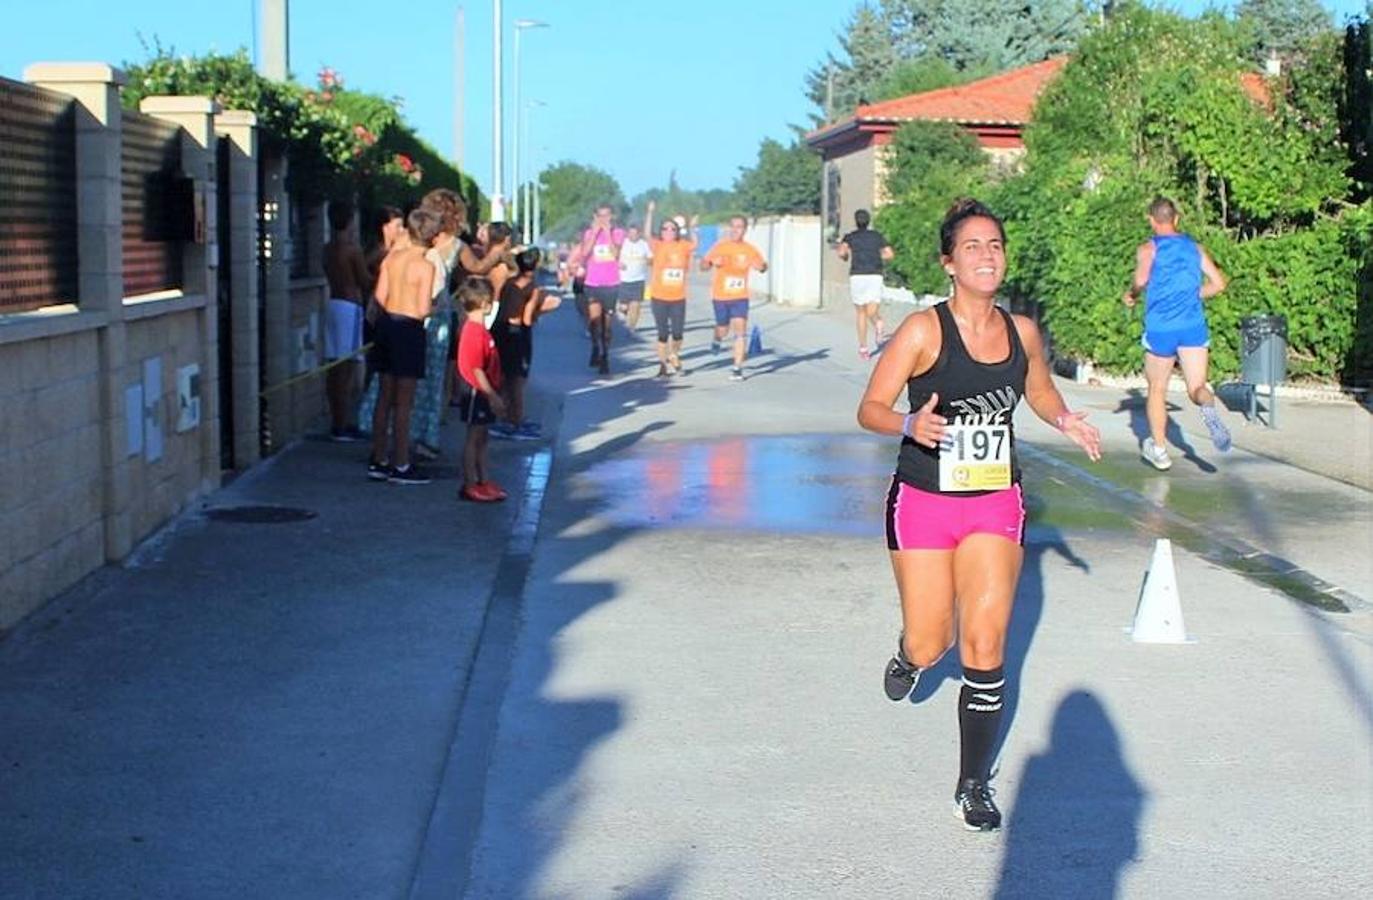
(571, 193)
(1281, 27)
(786, 179)
(711, 205)
(339, 141)
(908, 46)
(1356, 105)
(868, 54)
(925, 73)
(1154, 103)
(929, 166)
(990, 36)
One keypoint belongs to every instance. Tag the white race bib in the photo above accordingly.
(975, 458)
(674, 276)
(734, 283)
(603, 253)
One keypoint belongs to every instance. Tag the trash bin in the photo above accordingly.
(1263, 359)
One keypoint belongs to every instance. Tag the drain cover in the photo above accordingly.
(259, 515)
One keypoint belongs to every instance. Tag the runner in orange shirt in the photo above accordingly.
(667, 288)
(732, 259)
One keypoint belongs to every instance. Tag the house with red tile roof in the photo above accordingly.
(995, 110)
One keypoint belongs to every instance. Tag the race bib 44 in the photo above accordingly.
(673, 276)
(975, 458)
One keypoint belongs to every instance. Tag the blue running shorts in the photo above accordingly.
(1166, 343)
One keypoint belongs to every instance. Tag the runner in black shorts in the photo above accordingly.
(955, 512)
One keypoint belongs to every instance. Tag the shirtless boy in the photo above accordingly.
(405, 290)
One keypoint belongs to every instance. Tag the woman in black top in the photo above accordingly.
(955, 513)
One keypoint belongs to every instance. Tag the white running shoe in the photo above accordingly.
(1155, 455)
(1220, 435)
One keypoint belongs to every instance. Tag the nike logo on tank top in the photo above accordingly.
(978, 400)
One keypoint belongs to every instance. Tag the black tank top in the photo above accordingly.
(970, 392)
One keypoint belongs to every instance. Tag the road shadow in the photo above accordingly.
(540, 739)
(1074, 823)
(1040, 541)
(1133, 403)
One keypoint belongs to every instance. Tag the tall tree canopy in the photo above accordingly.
(948, 41)
(786, 179)
(571, 193)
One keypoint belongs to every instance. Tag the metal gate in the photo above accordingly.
(225, 306)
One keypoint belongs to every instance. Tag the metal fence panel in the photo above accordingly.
(38, 261)
(150, 168)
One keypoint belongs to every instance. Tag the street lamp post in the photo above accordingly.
(529, 189)
(538, 214)
(520, 26)
(497, 142)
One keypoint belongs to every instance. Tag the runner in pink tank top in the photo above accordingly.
(600, 252)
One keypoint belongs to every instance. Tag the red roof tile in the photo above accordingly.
(1004, 99)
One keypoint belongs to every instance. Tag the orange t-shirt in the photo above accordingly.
(671, 261)
(732, 261)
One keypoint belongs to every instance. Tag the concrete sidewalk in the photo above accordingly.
(254, 709)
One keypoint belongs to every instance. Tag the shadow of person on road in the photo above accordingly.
(542, 737)
(1074, 823)
(1134, 402)
(1025, 619)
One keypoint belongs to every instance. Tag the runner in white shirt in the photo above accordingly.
(635, 256)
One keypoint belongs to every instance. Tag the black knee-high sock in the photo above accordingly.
(979, 719)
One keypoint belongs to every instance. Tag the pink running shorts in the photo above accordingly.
(921, 520)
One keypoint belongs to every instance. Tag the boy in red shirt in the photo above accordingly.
(479, 367)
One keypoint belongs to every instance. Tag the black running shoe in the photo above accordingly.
(900, 678)
(973, 804)
(378, 471)
(595, 357)
(408, 475)
(605, 365)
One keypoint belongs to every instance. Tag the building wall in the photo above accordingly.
(162, 484)
(95, 450)
(51, 491)
(792, 246)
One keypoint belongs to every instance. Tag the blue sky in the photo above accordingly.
(639, 88)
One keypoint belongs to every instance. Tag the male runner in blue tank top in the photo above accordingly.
(1176, 274)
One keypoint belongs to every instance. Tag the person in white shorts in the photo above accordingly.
(349, 281)
(867, 252)
(635, 256)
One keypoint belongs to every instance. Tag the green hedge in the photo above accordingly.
(338, 141)
(1154, 104)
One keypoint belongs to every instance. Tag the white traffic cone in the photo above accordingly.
(1158, 617)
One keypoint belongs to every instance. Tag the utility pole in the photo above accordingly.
(459, 85)
(829, 92)
(520, 26)
(275, 59)
(497, 143)
(538, 214)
